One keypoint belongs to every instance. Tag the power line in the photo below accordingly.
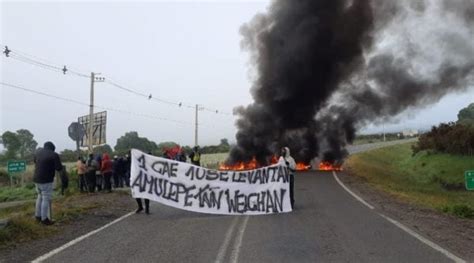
(45, 64)
(86, 104)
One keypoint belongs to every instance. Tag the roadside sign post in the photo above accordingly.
(469, 177)
(15, 167)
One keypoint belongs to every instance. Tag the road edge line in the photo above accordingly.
(424, 240)
(403, 227)
(358, 198)
(234, 257)
(228, 236)
(79, 239)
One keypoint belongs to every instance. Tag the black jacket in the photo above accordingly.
(46, 163)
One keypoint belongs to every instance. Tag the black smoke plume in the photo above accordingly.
(323, 70)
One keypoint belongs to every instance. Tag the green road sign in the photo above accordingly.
(469, 176)
(16, 166)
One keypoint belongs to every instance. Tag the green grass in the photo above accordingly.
(432, 180)
(22, 226)
(212, 161)
(8, 194)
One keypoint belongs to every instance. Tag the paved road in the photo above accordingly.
(328, 225)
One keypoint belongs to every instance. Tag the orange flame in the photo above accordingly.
(302, 167)
(253, 164)
(240, 166)
(328, 166)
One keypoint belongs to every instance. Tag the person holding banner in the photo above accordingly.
(140, 205)
(291, 164)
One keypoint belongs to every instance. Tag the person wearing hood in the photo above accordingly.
(106, 170)
(92, 165)
(47, 162)
(286, 158)
(99, 179)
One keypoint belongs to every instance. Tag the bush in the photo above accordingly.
(462, 211)
(452, 138)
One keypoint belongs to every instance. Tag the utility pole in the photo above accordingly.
(196, 126)
(91, 113)
(196, 123)
(91, 110)
(383, 130)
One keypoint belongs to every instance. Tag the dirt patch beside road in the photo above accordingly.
(107, 207)
(452, 233)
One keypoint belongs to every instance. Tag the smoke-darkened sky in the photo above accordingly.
(184, 52)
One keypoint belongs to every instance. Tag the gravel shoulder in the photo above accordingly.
(450, 232)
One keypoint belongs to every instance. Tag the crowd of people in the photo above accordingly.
(99, 172)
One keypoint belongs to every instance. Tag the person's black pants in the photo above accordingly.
(90, 177)
(107, 181)
(140, 205)
(292, 190)
(82, 183)
(115, 175)
(99, 181)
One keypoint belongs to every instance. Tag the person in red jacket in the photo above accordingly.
(106, 170)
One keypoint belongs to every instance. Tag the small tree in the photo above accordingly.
(12, 143)
(466, 115)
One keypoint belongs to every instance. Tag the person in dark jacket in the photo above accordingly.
(92, 167)
(115, 171)
(99, 178)
(127, 166)
(47, 162)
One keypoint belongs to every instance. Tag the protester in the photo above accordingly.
(115, 171)
(106, 170)
(291, 164)
(92, 167)
(195, 156)
(140, 206)
(81, 173)
(122, 171)
(46, 163)
(127, 166)
(181, 156)
(64, 179)
(99, 179)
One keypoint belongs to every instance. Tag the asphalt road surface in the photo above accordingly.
(328, 225)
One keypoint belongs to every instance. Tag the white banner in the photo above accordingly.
(194, 188)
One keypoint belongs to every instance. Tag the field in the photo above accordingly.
(432, 180)
(213, 160)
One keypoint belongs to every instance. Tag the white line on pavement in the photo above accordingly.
(403, 227)
(424, 240)
(350, 192)
(234, 257)
(79, 239)
(225, 244)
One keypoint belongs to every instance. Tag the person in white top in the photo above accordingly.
(291, 164)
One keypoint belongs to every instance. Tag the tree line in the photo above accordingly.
(452, 138)
(21, 145)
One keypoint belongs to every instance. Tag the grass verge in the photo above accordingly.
(23, 227)
(431, 180)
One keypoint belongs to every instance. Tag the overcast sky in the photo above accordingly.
(185, 52)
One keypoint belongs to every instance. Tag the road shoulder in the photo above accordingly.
(455, 234)
(109, 208)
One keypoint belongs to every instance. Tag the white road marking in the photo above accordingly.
(79, 239)
(424, 240)
(350, 192)
(225, 244)
(403, 227)
(234, 257)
